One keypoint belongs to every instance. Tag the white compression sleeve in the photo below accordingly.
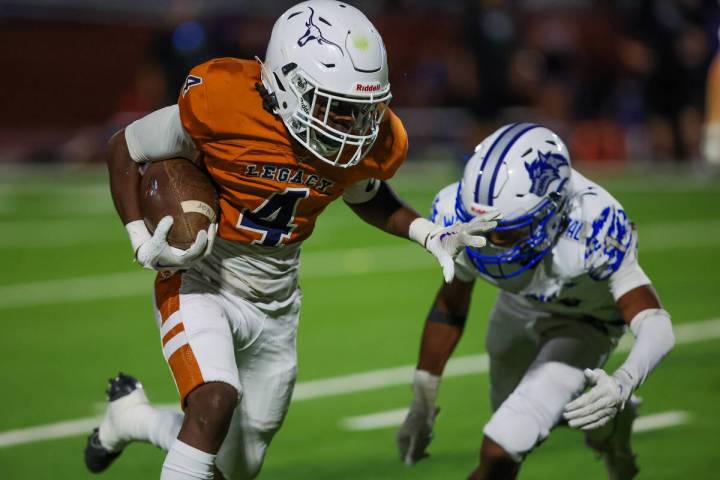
(159, 135)
(362, 191)
(654, 338)
(184, 462)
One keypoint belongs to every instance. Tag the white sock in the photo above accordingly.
(184, 462)
(139, 421)
(162, 427)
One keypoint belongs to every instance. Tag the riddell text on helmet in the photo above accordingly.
(367, 87)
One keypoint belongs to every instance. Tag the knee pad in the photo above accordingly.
(526, 417)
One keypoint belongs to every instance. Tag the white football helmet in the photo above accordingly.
(326, 66)
(523, 170)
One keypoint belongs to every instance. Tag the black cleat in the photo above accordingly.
(97, 457)
(121, 385)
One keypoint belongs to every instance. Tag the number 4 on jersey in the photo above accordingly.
(273, 218)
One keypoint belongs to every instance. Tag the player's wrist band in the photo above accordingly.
(138, 233)
(438, 316)
(426, 385)
(420, 229)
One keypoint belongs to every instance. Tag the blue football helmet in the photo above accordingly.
(523, 170)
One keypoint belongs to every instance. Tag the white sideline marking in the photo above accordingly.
(647, 423)
(359, 382)
(393, 418)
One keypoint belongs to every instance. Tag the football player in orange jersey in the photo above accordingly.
(281, 140)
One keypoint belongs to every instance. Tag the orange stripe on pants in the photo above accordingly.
(183, 364)
(171, 334)
(167, 294)
(186, 371)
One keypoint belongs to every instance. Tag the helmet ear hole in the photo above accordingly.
(269, 100)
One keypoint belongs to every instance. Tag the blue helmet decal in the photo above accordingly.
(608, 243)
(313, 33)
(544, 170)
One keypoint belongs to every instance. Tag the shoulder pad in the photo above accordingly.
(218, 96)
(443, 206)
(389, 150)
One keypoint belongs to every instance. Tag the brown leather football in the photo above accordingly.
(179, 188)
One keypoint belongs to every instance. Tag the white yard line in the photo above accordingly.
(393, 418)
(48, 432)
(374, 421)
(116, 285)
(465, 365)
(373, 380)
(353, 261)
(59, 233)
(327, 264)
(657, 421)
(82, 231)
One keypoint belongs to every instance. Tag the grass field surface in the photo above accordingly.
(74, 310)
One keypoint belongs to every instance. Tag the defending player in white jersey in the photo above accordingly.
(280, 140)
(564, 257)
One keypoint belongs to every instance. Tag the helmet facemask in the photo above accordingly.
(338, 129)
(518, 244)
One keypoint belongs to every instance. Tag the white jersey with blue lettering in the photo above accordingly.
(592, 263)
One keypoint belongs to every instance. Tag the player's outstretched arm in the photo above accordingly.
(652, 328)
(377, 204)
(443, 329)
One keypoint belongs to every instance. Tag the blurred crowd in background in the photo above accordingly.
(619, 80)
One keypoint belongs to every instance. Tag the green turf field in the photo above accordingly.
(74, 310)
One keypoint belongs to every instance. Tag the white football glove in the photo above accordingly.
(154, 252)
(602, 402)
(445, 243)
(415, 433)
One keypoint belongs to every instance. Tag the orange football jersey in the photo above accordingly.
(271, 189)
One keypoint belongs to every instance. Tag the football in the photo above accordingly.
(179, 188)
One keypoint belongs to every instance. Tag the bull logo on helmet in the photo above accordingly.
(313, 33)
(544, 170)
